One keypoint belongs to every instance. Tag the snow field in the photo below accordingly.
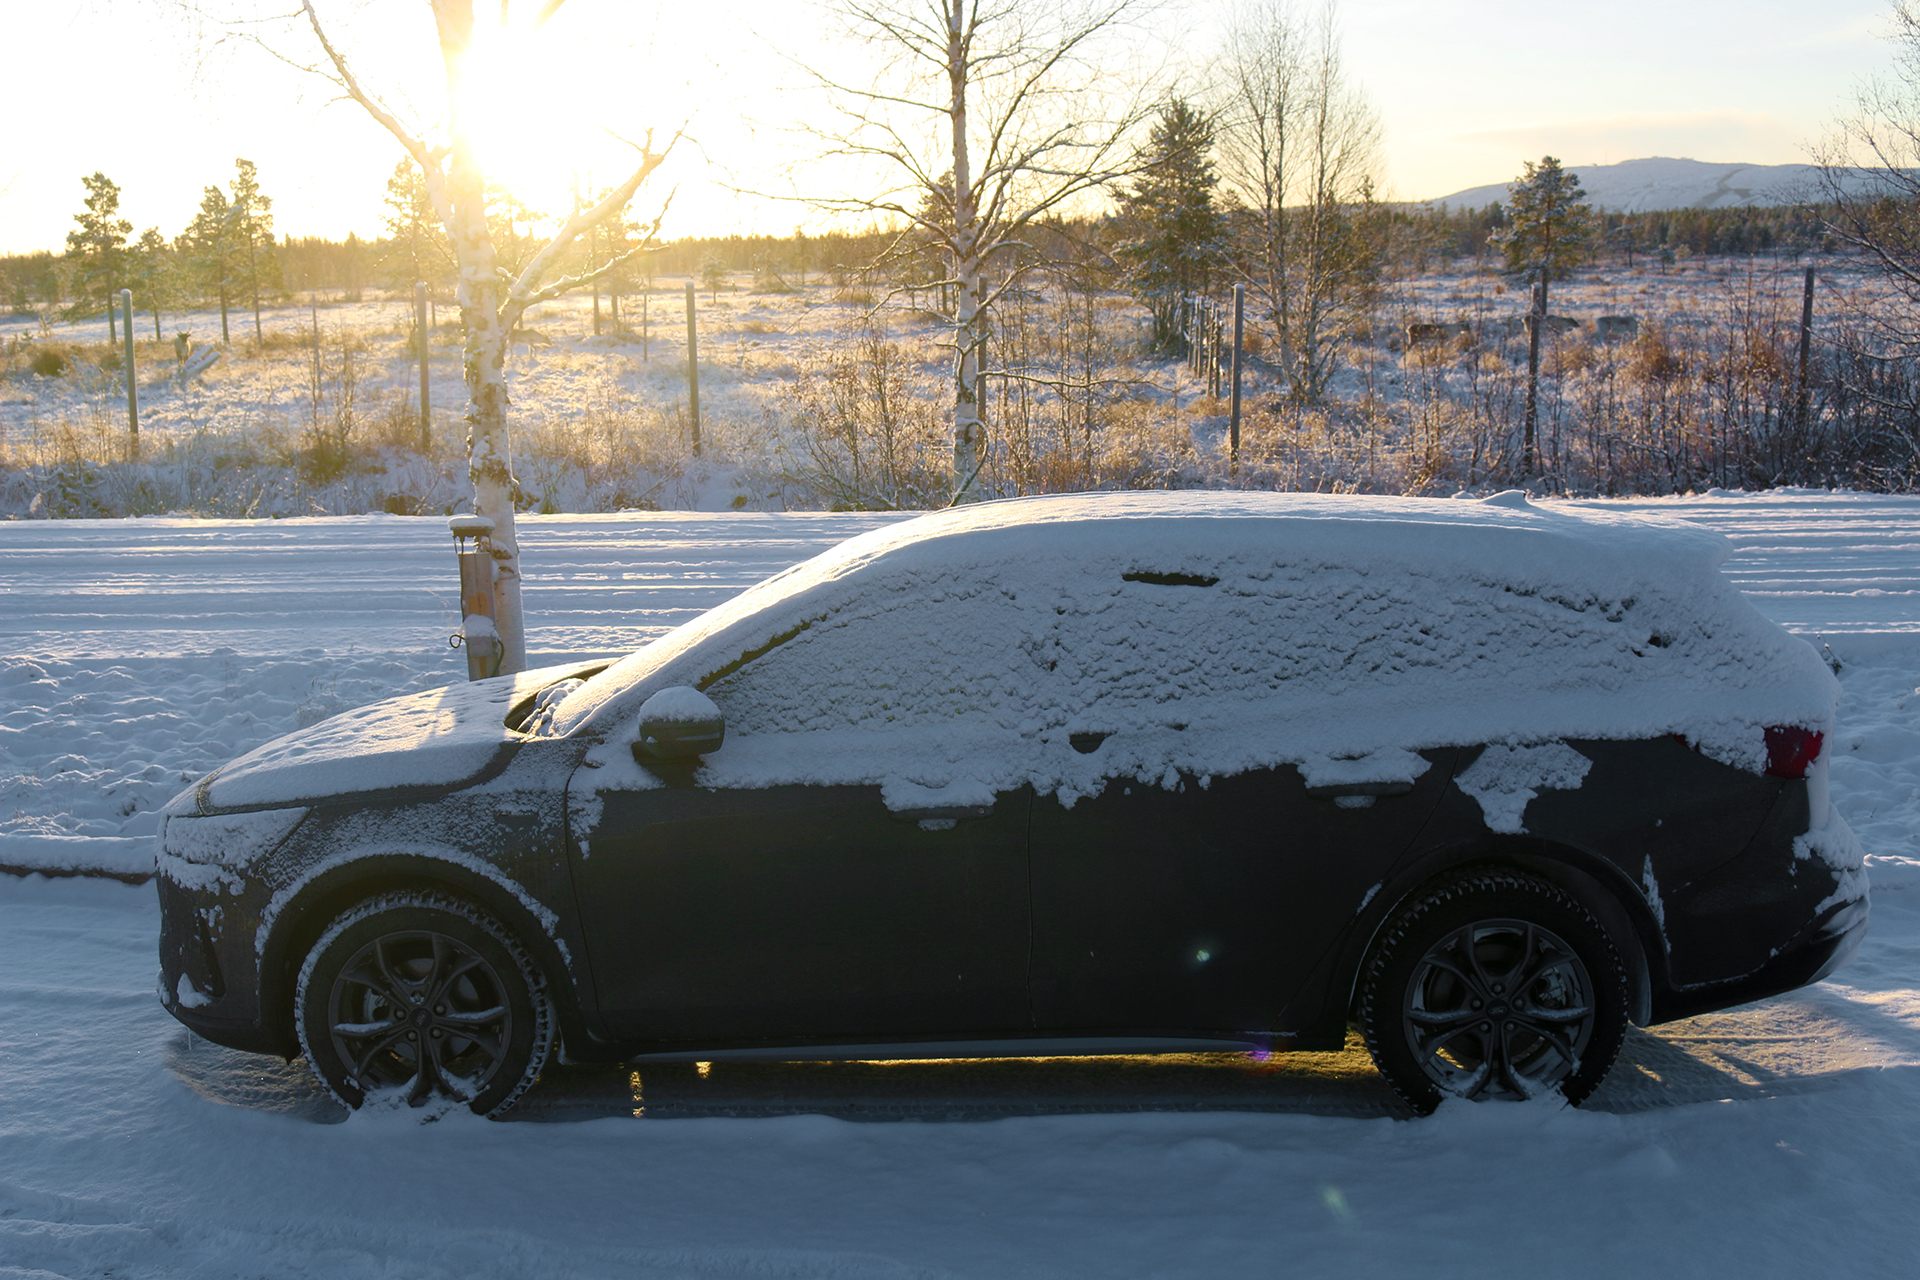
(1776, 1140)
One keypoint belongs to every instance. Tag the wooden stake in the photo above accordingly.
(1233, 417)
(420, 329)
(693, 371)
(1803, 404)
(133, 394)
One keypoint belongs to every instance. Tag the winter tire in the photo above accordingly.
(422, 997)
(1493, 985)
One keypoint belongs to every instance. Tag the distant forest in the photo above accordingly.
(1416, 240)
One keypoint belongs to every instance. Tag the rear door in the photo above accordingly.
(1204, 908)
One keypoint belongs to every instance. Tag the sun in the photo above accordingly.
(544, 111)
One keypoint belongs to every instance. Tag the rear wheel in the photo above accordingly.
(422, 998)
(1493, 985)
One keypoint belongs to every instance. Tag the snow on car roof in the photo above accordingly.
(1208, 633)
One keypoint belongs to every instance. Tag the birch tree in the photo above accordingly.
(985, 116)
(491, 299)
(1299, 148)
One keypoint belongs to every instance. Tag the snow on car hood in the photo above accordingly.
(437, 737)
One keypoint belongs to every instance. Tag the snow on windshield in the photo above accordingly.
(1059, 642)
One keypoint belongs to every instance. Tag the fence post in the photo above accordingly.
(1233, 417)
(1536, 320)
(1802, 404)
(133, 393)
(420, 328)
(693, 371)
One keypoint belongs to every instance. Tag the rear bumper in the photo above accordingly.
(1822, 948)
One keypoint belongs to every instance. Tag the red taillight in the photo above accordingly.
(1792, 751)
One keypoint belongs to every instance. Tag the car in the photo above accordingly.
(1107, 773)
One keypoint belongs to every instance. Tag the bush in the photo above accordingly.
(49, 363)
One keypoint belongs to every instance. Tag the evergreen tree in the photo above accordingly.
(252, 218)
(211, 250)
(1550, 220)
(152, 274)
(98, 246)
(416, 247)
(1170, 229)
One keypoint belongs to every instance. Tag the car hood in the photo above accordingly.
(435, 738)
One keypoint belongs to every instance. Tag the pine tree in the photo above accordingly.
(1551, 222)
(98, 246)
(252, 217)
(1170, 229)
(152, 273)
(416, 247)
(209, 245)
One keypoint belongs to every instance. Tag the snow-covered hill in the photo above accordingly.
(1664, 182)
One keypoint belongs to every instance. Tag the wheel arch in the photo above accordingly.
(1594, 882)
(317, 902)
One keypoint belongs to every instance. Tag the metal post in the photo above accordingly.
(420, 328)
(1802, 406)
(478, 634)
(693, 371)
(1233, 417)
(133, 394)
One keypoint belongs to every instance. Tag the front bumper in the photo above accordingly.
(209, 976)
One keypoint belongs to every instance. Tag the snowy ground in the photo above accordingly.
(1772, 1141)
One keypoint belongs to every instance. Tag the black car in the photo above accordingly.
(1110, 773)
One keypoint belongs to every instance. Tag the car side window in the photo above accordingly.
(899, 654)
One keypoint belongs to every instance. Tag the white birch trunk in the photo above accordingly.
(969, 431)
(481, 295)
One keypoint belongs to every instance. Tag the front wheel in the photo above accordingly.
(1493, 984)
(422, 998)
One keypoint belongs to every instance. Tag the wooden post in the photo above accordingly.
(133, 394)
(1802, 404)
(478, 633)
(693, 372)
(1536, 321)
(420, 329)
(1233, 416)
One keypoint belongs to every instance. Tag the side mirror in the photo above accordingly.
(680, 723)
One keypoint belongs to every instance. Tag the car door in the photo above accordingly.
(1193, 885)
(774, 893)
(1204, 908)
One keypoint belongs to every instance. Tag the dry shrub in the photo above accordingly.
(1569, 356)
(759, 328)
(860, 433)
(50, 362)
(1656, 357)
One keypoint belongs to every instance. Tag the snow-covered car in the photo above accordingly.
(1109, 773)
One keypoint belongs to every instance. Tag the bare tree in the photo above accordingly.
(491, 299)
(986, 118)
(1869, 180)
(1299, 150)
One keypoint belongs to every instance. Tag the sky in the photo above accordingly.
(162, 99)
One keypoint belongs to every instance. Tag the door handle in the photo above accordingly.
(1338, 789)
(944, 813)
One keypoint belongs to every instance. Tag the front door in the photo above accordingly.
(802, 912)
